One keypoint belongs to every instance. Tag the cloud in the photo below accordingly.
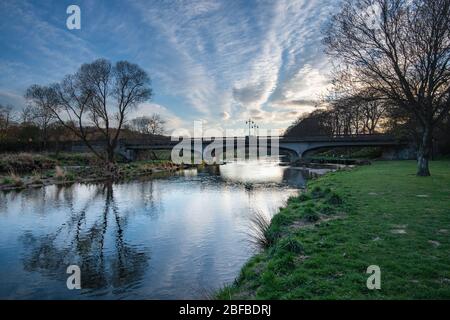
(234, 57)
(208, 59)
(225, 115)
(298, 102)
(13, 99)
(306, 84)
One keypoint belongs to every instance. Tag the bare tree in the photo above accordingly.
(149, 125)
(359, 113)
(373, 112)
(157, 124)
(404, 58)
(140, 124)
(40, 111)
(6, 119)
(98, 95)
(26, 114)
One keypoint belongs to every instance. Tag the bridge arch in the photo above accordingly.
(291, 152)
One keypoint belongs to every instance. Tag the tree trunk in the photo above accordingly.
(110, 165)
(110, 154)
(424, 152)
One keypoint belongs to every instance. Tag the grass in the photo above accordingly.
(15, 179)
(373, 215)
(60, 174)
(36, 177)
(258, 230)
(74, 158)
(20, 170)
(25, 162)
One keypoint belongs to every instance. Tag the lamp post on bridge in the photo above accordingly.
(251, 125)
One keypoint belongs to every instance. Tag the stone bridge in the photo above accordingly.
(295, 147)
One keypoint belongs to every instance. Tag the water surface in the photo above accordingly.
(177, 237)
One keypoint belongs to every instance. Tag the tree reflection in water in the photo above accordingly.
(96, 244)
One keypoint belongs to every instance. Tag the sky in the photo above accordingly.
(216, 61)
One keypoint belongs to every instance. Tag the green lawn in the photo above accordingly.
(389, 217)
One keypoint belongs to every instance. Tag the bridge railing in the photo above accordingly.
(168, 141)
(358, 137)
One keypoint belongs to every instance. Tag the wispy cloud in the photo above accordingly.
(221, 61)
(245, 60)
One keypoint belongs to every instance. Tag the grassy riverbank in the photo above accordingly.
(388, 217)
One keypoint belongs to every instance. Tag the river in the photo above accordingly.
(178, 237)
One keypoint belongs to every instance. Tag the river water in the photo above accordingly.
(178, 237)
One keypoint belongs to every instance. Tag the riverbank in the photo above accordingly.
(25, 170)
(320, 245)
